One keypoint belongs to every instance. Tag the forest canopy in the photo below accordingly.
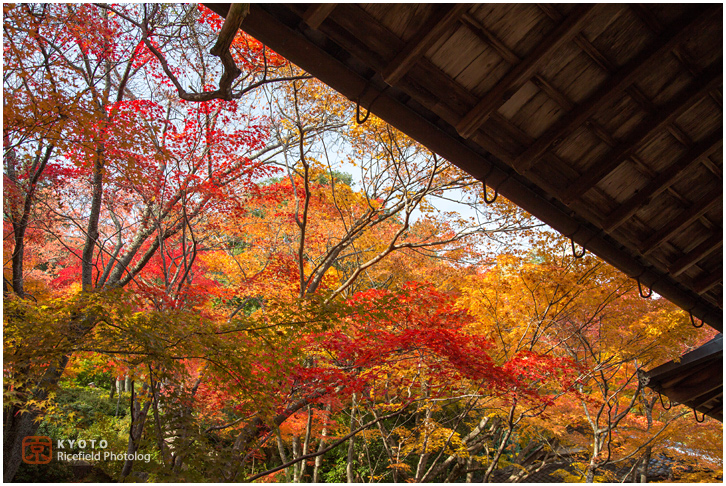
(212, 268)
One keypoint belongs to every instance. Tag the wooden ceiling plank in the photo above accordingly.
(552, 92)
(434, 28)
(715, 170)
(523, 71)
(697, 254)
(647, 130)
(640, 98)
(688, 392)
(549, 10)
(717, 97)
(315, 15)
(680, 135)
(612, 88)
(708, 282)
(490, 39)
(594, 54)
(647, 17)
(703, 399)
(687, 217)
(662, 181)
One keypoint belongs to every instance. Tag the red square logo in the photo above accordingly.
(37, 449)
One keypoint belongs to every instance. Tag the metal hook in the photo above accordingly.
(703, 417)
(358, 119)
(670, 404)
(693, 321)
(574, 253)
(486, 200)
(640, 290)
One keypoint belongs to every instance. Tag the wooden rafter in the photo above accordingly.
(646, 131)
(609, 91)
(691, 387)
(552, 92)
(593, 53)
(434, 28)
(523, 71)
(551, 11)
(687, 217)
(490, 39)
(662, 181)
(650, 20)
(315, 15)
(708, 282)
(697, 254)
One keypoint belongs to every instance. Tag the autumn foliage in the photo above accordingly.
(230, 274)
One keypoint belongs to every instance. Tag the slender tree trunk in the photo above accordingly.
(643, 470)
(92, 230)
(423, 459)
(138, 420)
(283, 454)
(503, 445)
(306, 444)
(351, 442)
(321, 446)
(119, 390)
(295, 455)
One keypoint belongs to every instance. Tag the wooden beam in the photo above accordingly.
(490, 39)
(315, 15)
(713, 76)
(708, 282)
(593, 53)
(690, 387)
(553, 92)
(523, 71)
(611, 89)
(647, 17)
(715, 170)
(434, 28)
(662, 181)
(697, 254)
(687, 217)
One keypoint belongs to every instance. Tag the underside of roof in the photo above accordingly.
(695, 381)
(604, 121)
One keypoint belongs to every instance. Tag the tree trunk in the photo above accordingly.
(351, 442)
(321, 446)
(643, 472)
(295, 455)
(503, 444)
(283, 454)
(24, 424)
(306, 444)
(423, 459)
(138, 420)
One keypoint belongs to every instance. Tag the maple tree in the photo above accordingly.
(201, 228)
(590, 314)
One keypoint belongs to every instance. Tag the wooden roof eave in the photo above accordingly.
(292, 41)
(695, 380)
